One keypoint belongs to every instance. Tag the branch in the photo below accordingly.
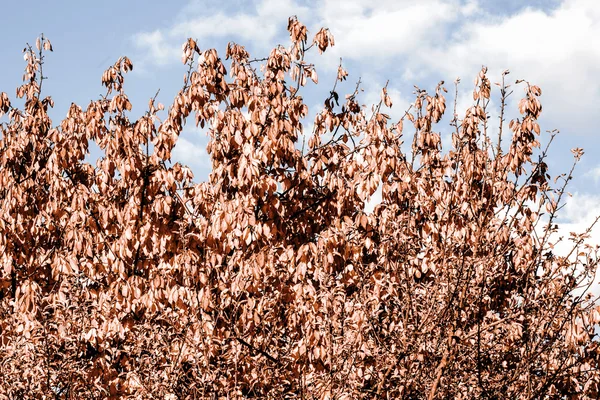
(254, 349)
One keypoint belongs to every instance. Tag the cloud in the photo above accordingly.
(555, 50)
(156, 46)
(256, 27)
(594, 174)
(427, 40)
(580, 211)
(193, 155)
(375, 200)
(392, 29)
(577, 216)
(433, 40)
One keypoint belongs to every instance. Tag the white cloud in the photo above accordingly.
(258, 28)
(555, 50)
(433, 39)
(577, 216)
(441, 39)
(594, 173)
(193, 155)
(580, 211)
(372, 96)
(375, 200)
(158, 50)
(390, 29)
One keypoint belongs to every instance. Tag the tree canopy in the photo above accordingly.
(128, 279)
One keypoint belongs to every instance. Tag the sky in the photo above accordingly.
(551, 43)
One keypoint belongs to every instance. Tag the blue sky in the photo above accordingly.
(551, 43)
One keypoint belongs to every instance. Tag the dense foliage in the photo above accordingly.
(270, 280)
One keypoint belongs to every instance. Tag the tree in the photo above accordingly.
(127, 279)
